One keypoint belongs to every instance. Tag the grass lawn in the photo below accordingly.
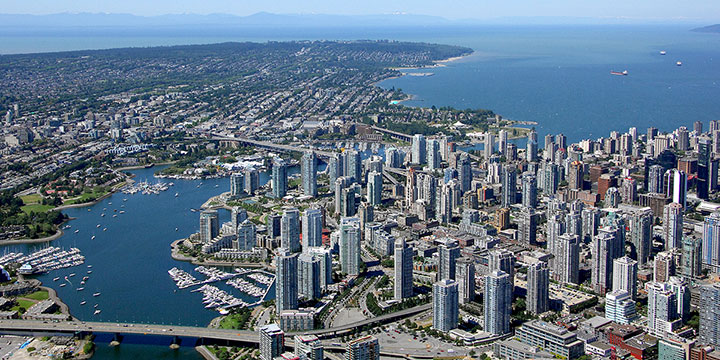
(38, 295)
(85, 197)
(22, 303)
(31, 199)
(38, 208)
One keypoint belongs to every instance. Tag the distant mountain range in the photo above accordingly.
(259, 19)
(264, 19)
(709, 29)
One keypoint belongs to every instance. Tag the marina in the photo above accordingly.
(146, 188)
(48, 259)
(217, 298)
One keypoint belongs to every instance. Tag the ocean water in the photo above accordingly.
(560, 78)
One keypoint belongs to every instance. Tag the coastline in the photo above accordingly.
(55, 236)
(436, 63)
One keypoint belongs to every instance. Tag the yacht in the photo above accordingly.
(96, 294)
(56, 279)
(92, 238)
(63, 285)
(83, 302)
(80, 289)
(98, 311)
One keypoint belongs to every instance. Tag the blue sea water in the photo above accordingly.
(560, 78)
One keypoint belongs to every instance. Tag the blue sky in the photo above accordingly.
(453, 9)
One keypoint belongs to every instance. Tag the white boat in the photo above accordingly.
(83, 302)
(77, 231)
(104, 229)
(102, 215)
(176, 194)
(92, 238)
(89, 271)
(73, 274)
(80, 289)
(63, 285)
(97, 226)
(663, 52)
(679, 63)
(56, 279)
(96, 294)
(98, 311)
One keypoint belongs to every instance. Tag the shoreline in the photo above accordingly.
(436, 63)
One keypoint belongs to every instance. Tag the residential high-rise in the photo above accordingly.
(237, 185)
(509, 186)
(604, 251)
(209, 226)
(703, 167)
(290, 230)
(567, 259)
(532, 147)
(555, 228)
(325, 256)
(619, 307)
(237, 216)
(308, 347)
(309, 279)
(448, 252)
(273, 222)
(692, 257)
(364, 348)
(655, 181)
(419, 148)
(676, 181)
(576, 175)
(538, 288)
(374, 188)
(350, 245)
(335, 168)
(498, 302)
(672, 225)
(489, 145)
(628, 190)
(503, 142)
(433, 154)
(246, 236)
(353, 165)
(503, 260)
(465, 277)
(272, 341)
(312, 228)
(252, 180)
(465, 175)
(551, 178)
(286, 281)
(279, 178)
(527, 226)
(445, 305)
(662, 308)
(709, 333)
(309, 173)
(641, 223)
(664, 266)
(403, 270)
(529, 190)
(625, 275)
(590, 223)
(711, 241)
(681, 288)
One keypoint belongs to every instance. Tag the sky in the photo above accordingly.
(691, 10)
